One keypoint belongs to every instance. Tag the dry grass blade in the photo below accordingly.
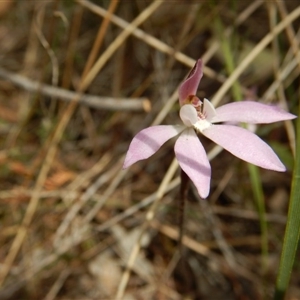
(46, 45)
(100, 37)
(283, 74)
(290, 31)
(31, 209)
(57, 285)
(118, 42)
(244, 15)
(151, 40)
(149, 217)
(91, 190)
(133, 209)
(250, 57)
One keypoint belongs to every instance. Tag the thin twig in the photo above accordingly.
(199, 248)
(135, 208)
(151, 40)
(107, 103)
(51, 295)
(149, 217)
(85, 111)
(49, 158)
(91, 190)
(100, 37)
(295, 49)
(238, 21)
(46, 45)
(120, 39)
(283, 73)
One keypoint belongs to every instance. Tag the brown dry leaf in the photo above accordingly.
(58, 179)
(19, 168)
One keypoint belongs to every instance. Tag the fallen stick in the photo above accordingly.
(107, 103)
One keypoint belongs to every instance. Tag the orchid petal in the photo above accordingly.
(190, 85)
(245, 145)
(208, 109)
(148, 141)
(193, 160)
(188, 115)
(251, 112)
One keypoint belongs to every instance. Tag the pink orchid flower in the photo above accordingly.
(201, 117)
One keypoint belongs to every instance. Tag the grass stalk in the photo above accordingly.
(292, 232)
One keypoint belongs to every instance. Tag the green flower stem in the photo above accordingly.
(292, 232)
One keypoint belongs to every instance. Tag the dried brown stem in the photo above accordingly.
(107, 103)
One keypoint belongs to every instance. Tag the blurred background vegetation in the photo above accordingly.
(77, 82)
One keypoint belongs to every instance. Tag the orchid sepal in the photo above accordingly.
(148, 141)
(251, 112)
